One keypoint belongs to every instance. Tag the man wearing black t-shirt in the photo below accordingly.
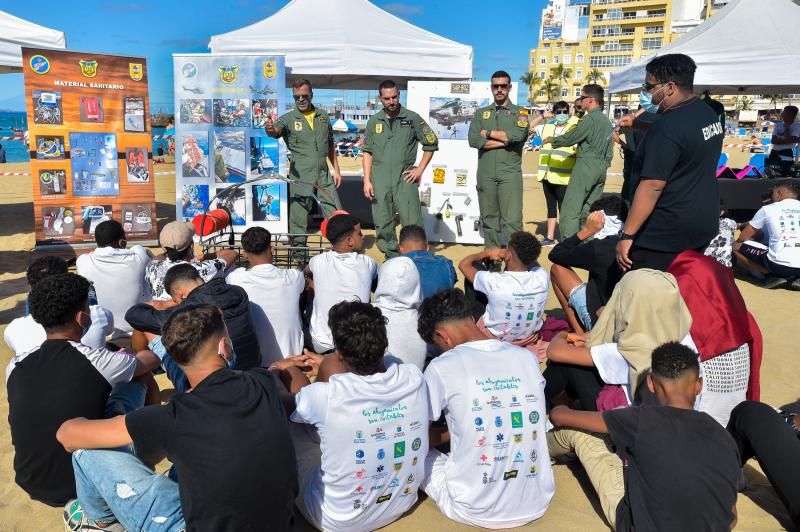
(228, 440)
(63, 379)
(681, 466)
(675, 204)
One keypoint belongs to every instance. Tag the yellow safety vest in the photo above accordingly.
(556, 164)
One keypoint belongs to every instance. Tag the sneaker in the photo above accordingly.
(790, 419)
(795, 285)
(75, 520)
(774, 282)
(548, 242)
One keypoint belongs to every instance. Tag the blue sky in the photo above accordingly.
(501, 37)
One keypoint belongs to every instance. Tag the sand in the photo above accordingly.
(574, 506)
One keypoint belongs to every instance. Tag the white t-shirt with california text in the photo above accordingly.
(516, 301)
(373, 433)
(492, 394)
(781, 221)
(337, 277)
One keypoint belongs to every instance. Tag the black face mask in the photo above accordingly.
(580, 112)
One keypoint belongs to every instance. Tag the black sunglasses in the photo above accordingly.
(301, 97)
(500, 85)
(650, 86)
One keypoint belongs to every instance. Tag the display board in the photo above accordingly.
(222, 103)
(89, 129)
(448, 188)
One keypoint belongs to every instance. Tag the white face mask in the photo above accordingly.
(562, 118)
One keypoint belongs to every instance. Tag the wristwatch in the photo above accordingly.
(625, 236)
(488, 134)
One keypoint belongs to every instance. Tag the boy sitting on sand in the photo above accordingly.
(341, 274)
(681, 467)
(228, 441)
(371, 429)
(517, 295)
(497, 474)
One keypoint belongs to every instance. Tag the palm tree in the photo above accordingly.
(773, 99)
(550, 86)
(560, 75)
(530, 79)
(595, 76)
(744, 103)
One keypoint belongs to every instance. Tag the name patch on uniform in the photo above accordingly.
(523, 112)
(406, 123)
(486, 114)
(298, 125)
(378, 128)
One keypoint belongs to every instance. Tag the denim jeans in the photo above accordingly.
(117, 486)
(174, 373)
(125, 397)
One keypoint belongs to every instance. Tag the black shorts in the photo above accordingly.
(759, 256)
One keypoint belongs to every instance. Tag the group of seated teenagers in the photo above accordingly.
(344, 416)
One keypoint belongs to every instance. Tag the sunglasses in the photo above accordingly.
(500, 85)
(298, 97)
(650, 86)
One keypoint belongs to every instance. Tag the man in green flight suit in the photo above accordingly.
(391, 180)
(498, 132)
(592, 135)
(308, 135)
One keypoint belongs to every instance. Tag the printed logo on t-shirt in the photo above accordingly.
(381, 454)
(534, 417)
(476, 405)
(530, 398)
(533, 455)
(481, 442)
(416, 444)
(516, 420)
(397, 466)
(712, 130)
(533, 435)
(399, 449)
(394, 483)
(479, 424)
(414, 461)
(359, 437)
(498, 422)
(399, 432)
(487, 479)
(533, 472)
(360, 457)
(415, 425)
(500, 458)
(518, 457)
(484, 461)
(510, 474)
(410, 478)
(378, 435)
(384, 498)
(517, 438)
(360, 474)
(495, 402)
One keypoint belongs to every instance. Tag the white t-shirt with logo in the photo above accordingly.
(274, 295)
(780, 130)
(781, 221)
(374, 437)
(516, 301)
(119, 280)
(492, 394)
(337, 277)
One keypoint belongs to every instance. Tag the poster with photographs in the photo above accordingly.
(90, 143)
(230, 156)
(46, 107)
(450, 117)
(194, 111)
(222, 104)
(93, 157)
(91, 108)
(264, 110)
(50, 147)
(92, 215)
(194, 200)
(448, 188)
(138, 167)
(137, 218)
(134, 114)
(235, 200)
(266, 201)
(58, 222)
(194, 154)
(231, 113)
(52, 181)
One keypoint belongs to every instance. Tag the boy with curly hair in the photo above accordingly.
(370, 421)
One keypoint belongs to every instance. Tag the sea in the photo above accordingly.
(17, 152)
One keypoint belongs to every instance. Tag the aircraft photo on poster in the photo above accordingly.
(450, 117)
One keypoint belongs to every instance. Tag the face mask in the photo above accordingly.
(646, 101)
(562, 118)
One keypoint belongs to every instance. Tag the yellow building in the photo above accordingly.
(618, 33)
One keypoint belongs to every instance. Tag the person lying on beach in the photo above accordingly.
(680, 466)
(228, 440)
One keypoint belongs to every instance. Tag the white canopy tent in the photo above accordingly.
(749, 47)
(16, 32)
(349, 44)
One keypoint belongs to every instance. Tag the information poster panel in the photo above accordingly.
(90, 144)
(222, 103)
(448, 188)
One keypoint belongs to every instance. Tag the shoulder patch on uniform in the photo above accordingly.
(522, 123)
(431, 138)
(486, 114)
(523, 112)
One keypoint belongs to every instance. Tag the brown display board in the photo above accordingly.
(90, 144)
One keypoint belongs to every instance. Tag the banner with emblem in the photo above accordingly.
(448, 190)
(222, 104)
(90, 145)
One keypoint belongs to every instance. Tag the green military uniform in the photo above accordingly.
(309, 165)
(393, 145)
(593, 138)
(500, 170)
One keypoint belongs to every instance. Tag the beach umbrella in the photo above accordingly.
(340, 126)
